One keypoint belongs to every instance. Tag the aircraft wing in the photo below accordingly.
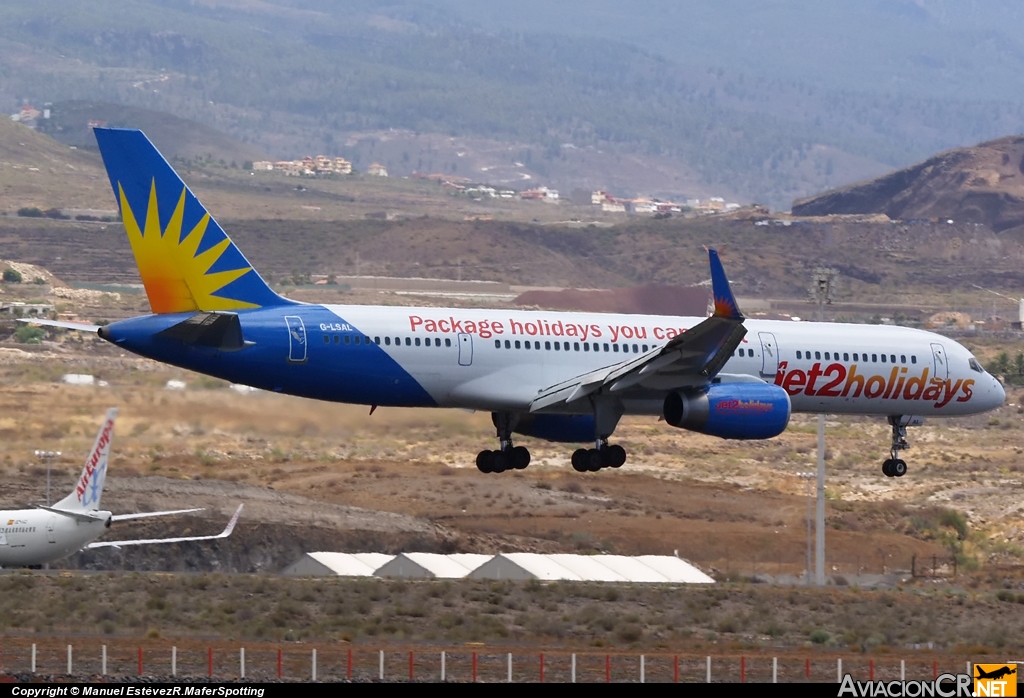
(691, 358)
(151, 541)
(80, 326)
(148, 514)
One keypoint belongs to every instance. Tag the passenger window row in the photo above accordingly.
(612, 347)
(749, 352)
(857, 356)
(409, 341)
(571, 346)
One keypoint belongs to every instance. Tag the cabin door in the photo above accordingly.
(769, 355)
(296, 339)
(465, 349)
(939, 360)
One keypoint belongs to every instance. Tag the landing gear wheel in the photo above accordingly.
(894, 466)
(595, 460)
(580, 460)
(615, 456)
(520, 457)
(485, 461)
(507, 457)
(500, 462)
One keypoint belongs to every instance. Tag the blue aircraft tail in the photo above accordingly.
(186, 261)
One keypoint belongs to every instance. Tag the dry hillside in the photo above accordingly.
(983, 184)
(177, 138)
(38, 171)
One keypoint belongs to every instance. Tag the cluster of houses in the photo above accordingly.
(308, 166)
(481, 191)
(539, 194)
(29, 115)
(613, 204)
(461, 185)
(320, 165)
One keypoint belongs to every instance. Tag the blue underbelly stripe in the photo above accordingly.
(277, 360)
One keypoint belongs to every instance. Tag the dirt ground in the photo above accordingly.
(319, 476)
(323, 476)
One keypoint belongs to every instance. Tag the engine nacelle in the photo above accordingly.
(562, 428)
(731, 410)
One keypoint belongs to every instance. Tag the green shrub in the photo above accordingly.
(27, 334)
(11, 276)
(956, 521)
(820, 637)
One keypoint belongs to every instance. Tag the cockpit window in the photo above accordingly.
(975, 366)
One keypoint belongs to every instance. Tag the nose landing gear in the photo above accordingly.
(894, 466)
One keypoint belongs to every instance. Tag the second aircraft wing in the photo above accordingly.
(151, 541)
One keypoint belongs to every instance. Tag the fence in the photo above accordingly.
(261, 662)
(862, 570)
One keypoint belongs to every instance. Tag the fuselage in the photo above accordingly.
(498, 360)
(36, 536)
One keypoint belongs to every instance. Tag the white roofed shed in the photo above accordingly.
(337, 564)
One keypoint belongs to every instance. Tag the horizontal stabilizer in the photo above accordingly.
(80, 326)
(88, 516)
(214, 330)
(151, 514)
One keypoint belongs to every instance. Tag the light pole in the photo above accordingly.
(822, 288)
(48, 456)
(807, 477)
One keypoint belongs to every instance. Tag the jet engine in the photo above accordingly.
(730, 410)
(562, 428)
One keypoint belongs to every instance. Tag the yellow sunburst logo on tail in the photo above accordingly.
(177, 279)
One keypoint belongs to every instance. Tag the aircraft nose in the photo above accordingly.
(997, 394)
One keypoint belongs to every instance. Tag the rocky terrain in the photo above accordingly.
(983, 184)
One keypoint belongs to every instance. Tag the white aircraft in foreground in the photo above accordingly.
(33, 537)
(566, 377)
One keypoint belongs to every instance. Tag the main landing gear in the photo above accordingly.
(606, 417)
(508, 457)
(604, 456)
(894, 466)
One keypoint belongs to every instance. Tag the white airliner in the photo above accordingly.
(564, 377)
(33, 537)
